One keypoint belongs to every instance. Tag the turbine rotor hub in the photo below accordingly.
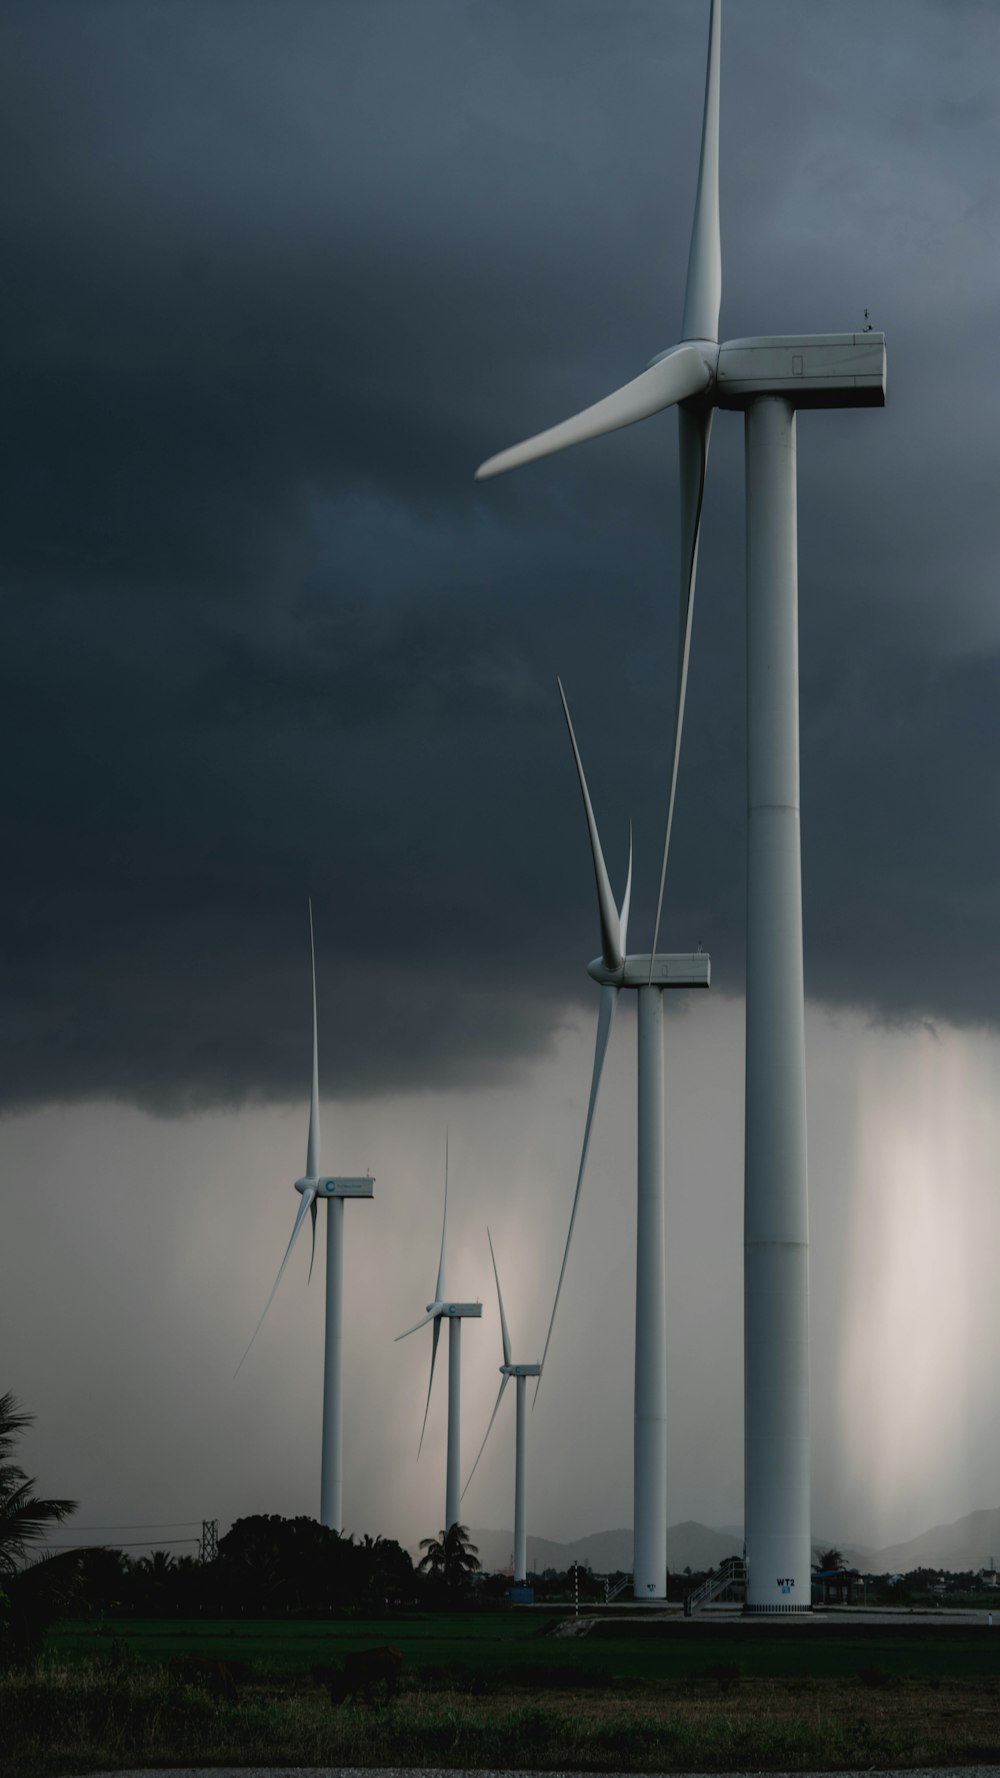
(709, 350)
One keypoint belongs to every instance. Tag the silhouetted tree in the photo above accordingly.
(279, 1567)
(32, 1594)
(106, 1578)
(25, 1519)
(450, 1558)
(386, 1570)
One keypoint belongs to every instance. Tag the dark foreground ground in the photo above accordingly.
(513, 1692)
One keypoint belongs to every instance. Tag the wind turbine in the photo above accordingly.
(454, 1313)
(650, 976)
(768, 380)
(313, 1186)
(519, 1372)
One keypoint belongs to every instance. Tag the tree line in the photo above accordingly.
(266, 1566)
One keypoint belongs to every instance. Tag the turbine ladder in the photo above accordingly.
(732, 1573)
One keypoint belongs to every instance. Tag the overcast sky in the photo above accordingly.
(278, 278)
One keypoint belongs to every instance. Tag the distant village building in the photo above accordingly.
(838, 1586)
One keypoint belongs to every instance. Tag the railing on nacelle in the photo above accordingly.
(732, 1573)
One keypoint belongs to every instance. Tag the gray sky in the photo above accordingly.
(279, 278)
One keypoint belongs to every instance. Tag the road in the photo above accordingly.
(455, 1772)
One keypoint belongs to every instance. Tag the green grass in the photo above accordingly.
(499, 1690)
(807, 1654)
(479, 1639)
(517, 1644)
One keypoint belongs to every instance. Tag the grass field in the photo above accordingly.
(506, 1642)
(497, 1690)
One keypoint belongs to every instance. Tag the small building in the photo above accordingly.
(838, 1586)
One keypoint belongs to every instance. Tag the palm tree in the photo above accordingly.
(25, 1519)
(32, 1594)
(450, 1556)
(826, 1561)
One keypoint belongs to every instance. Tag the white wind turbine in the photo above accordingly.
(649, 976)
(454, 1313)
(519, 1372)
(313, 1187)
(768, 379)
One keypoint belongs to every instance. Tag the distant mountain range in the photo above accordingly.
(689, 1545)
(968, 1543)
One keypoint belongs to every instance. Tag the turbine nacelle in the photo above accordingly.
(520, 1370)
(456, 1311)
(338, 1188)
(671, 969)
(809, 369)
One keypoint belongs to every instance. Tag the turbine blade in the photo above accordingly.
(312, 1256)
(421, 1323)
(703, 295)
(627, 897)
(612, 943)
(695, 432)
(504, 1335)
(312, 1150)
(505, 1380)
(679, 374)
(605, 1020)
(434, 1353)
(307, 1198)
(439, 1286)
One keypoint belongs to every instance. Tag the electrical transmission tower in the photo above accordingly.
(208, 1547)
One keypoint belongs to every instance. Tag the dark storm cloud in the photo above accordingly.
(279, 278)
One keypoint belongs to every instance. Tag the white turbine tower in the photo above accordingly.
(454, 1313)
(649, 976)
(519, 1372)
(333, 1191)
(768, 380)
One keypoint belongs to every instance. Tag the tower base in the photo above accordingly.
(777, 1611)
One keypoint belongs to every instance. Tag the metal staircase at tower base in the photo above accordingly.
(733, 1573)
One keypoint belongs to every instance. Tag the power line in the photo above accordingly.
(143, 1543)
(146, 1525)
